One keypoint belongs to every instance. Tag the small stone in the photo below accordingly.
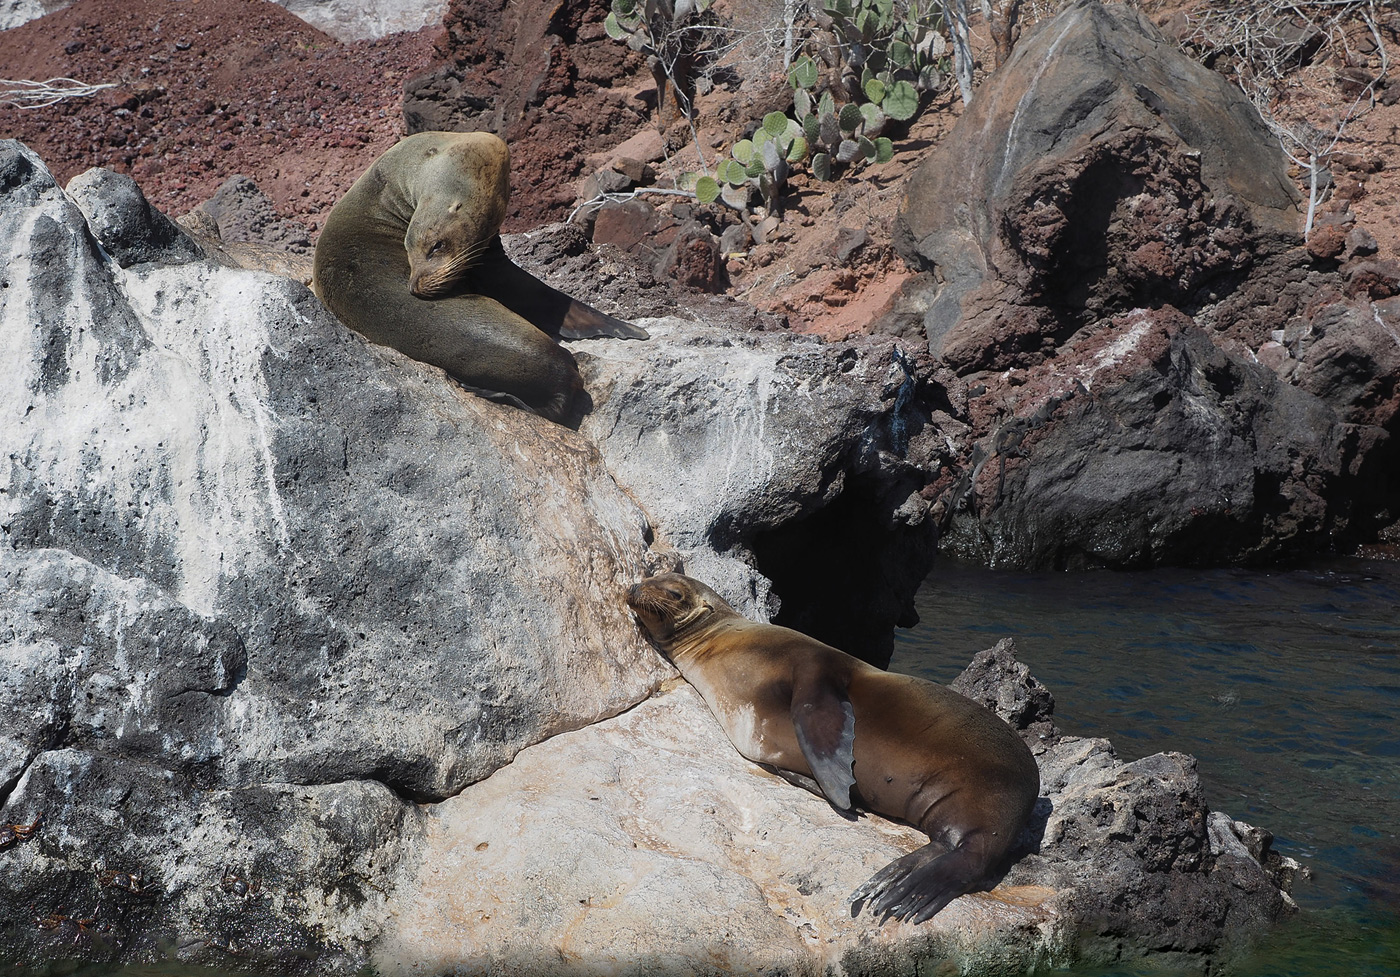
(764, 229)
(1360, 243)
(624, 224)
(636, 171)
(848, 242)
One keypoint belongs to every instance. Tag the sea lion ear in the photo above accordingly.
(456, 206)
(825, 723)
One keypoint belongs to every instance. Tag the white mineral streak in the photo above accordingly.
(212, 421)
(1140, 324)
(16, 12)
(359, 20)
(574, 856)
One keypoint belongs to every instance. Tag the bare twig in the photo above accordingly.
(955, 16)
(25, 94)
(604, 198)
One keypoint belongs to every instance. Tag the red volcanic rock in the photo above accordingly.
(1098, 171)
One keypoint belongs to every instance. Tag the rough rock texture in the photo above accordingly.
(278, 609)
(245, 551)
(16, 12)
(125, 224)
(715, 421)
(204, 91)
(1100, 170)
(244, 213)
(1194, 877)
(360, 20)
(1153, 446)
(1142, 363)
(607, 822)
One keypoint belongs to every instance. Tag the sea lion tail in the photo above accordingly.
(917, 886)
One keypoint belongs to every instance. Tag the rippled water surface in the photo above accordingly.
(1285, 685)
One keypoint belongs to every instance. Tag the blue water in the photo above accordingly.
(1285, 686)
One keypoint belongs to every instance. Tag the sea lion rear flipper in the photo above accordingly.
(549, 309)
(826, 731)
(917, 886)
(585, 322)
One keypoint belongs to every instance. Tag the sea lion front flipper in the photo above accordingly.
(825, 723)
(550, 310)
(915, 887)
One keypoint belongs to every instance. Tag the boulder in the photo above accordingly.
(805, 482)
(607, 824)
(1151, 446)
(310, 659)
(257, 567)
(1108, 251)
(1099, 170)
(124, 222)
(365, 20)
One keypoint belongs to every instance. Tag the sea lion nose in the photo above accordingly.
(633, 592)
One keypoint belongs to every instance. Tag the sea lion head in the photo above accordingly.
(672, 606)
(460, 188)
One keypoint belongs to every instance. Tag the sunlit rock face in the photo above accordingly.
(1100, 170)
(1147, 365)
(243, 547)
(344, 20)
(311, 659)
(364, 20)
(16, 12)
(650, 846)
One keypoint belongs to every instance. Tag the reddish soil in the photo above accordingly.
(206, 89)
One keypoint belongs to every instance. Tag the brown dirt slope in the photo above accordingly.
(206, 89)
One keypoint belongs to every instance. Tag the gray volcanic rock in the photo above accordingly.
(244, 213)
(360, 20)
(124, 222)
(16, 12)
(777, 452)
(310, 659)
(1111, 271)
(1152, 446)
(1099, 170)
(249, 556)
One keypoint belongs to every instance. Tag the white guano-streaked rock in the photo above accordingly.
(365, 20)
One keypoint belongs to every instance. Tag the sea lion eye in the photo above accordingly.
(437, 248)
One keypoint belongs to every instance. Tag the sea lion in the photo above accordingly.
(411, 257)
(893, 744)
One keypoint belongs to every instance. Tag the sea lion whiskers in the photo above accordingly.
(432, 282)
(666, 612)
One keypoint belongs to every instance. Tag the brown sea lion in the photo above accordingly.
(893, 744)
(411, 258)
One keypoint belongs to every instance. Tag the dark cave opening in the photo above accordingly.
(846, 574)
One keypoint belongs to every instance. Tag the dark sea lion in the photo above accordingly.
(893, 744)
(411, 258)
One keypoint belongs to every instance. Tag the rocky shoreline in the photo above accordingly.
(314, 661)
(287, 612)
